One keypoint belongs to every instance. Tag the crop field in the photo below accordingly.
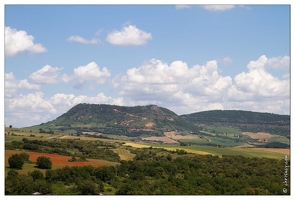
(119, 137)
(58, 161)
(177, 136)
(276, 153)
(228, 130)
(162, 139)
(124, 154)
(259, 135)
(278, 138)
(88, 138)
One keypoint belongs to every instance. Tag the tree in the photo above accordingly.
(44, 162)
(10, 126)
(16, 161)
(25, 156)
(36, 174)
(88, 187)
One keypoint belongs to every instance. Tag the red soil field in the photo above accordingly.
(58, 161)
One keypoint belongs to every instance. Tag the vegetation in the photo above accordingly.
(245, 121)
(44, 162)
(87, 149)
(184, 175)
(211, 154)
(16, 161)
(118, 120)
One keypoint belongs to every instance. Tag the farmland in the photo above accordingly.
(58, 161)
(115, 162)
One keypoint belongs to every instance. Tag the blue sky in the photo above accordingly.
(185, 58)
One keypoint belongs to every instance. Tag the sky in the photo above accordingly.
(187, 58)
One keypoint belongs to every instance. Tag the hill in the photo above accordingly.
(119, 120)
(245, 121)
(209, 128)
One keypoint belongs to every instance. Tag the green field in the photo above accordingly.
(247, 152)
(197, 149)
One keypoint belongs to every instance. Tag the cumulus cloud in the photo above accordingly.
(174, 84)
(70, 100)
(34, 108)
(19, 41)
(33, 102)
(12, 84)
(89, 72)
(261, 83)
(280, 62)
(222, 7)
(129, 35)
(200, 87)
(46, 74)
(83, 40)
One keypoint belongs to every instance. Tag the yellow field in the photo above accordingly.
(124, 154)
(275, 150)
(136, 145)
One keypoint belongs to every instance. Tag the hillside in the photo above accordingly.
(119, 120)
(245, 121)
(209, 128)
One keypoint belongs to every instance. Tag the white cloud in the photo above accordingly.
(280, 62)
(33, 109)
(175, 85)
(190, 89)
(222, 7)
(261, 83)
(31, 103)
(89, 72)
(70, 100)
(180, 7)
(19, 41)
(12, 85)
(226, 60)
(83, 40)
(46, 74)
(129, 35)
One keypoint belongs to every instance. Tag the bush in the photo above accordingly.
(16, 161)
(44, 162)
(25, 156)
(36, 174)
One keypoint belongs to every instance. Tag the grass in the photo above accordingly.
(278, 138)
(276, 153)
(124, 154)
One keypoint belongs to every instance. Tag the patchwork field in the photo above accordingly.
(276, 153)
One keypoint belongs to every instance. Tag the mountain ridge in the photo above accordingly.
(154, 120)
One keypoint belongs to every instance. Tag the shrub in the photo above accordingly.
(44, 162)
(16, 161)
